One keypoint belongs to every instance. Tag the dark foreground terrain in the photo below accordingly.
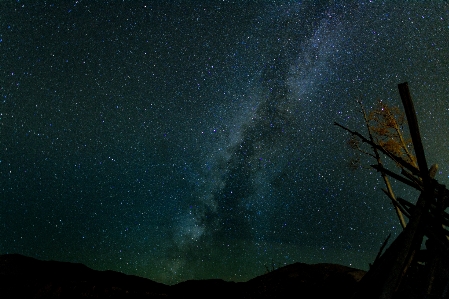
(25, 277)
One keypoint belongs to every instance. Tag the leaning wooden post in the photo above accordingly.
(414, 132)
(389, 190)
(414, 232)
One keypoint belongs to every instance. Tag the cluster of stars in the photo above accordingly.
(184, 141)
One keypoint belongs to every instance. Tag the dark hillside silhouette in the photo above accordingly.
(25, 277)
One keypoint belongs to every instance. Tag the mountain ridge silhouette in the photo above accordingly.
(22, 277)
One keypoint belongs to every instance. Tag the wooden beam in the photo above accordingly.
(396, 176)
(393, 157)
(414, 131)
(414, 232)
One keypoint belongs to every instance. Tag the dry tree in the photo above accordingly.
(385, 128)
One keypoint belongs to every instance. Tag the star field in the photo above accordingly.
(195, 139)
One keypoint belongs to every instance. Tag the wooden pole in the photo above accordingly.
(414, 131)
(414, 232)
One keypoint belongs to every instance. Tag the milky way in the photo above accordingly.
(195, 140)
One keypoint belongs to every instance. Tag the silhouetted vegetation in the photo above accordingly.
(405, 269)
(385, 125)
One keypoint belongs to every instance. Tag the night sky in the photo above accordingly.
(183, 140)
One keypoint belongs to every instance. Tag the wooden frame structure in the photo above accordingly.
(406, 270)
